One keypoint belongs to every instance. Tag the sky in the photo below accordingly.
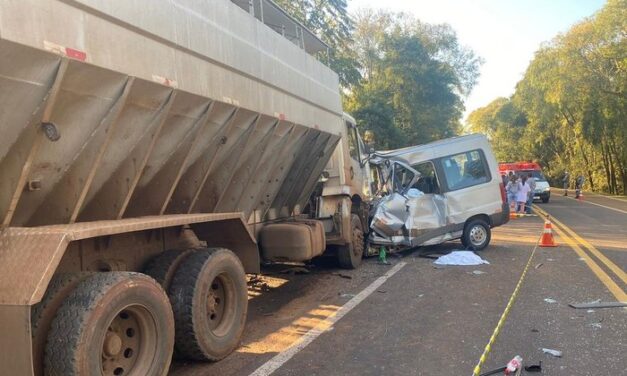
(505, 33)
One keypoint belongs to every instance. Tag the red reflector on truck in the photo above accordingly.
(75, 54)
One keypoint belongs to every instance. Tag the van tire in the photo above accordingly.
(209, 298)
(477, 234)
(545, 200)
(349, 256)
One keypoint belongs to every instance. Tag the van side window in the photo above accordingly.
(353, 147)
(465, 170)
(428, 181)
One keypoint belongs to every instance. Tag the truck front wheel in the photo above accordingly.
(114, 323)
(350, 255)
(210, 298)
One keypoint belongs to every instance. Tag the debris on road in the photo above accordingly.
(345, 276)
(295, 270)
(555, 353)
(383, 257)
(257, 282)
(494, 371)
(596, 325)
(478, 272)
(460, 258)
(550, 301)
(347, 295)
(539, 265)
(598, 304)
(534, 367)
(514, 365)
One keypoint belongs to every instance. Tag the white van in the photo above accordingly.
(432, 193)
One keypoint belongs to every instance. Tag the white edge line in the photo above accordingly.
(603, 206)
(281, 358)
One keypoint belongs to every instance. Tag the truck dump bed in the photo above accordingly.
(112, 110)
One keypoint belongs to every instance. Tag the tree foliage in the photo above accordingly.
(570, 109)
(415, 76)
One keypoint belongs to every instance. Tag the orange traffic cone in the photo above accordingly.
(547, 236)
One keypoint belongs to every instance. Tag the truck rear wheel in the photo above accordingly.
(350, 255)
(163, 266)
(114, 323)
(210, 298)
(42, 313)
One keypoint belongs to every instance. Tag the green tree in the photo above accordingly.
(414, 74)
(573, 97)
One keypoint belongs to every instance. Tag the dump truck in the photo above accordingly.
(152, 152)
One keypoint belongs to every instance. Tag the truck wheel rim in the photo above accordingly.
(129, 345)
(478, 235)
(221, 305)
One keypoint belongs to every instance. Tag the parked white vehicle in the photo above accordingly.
(432, 193)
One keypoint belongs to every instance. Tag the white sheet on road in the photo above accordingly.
(460, 258)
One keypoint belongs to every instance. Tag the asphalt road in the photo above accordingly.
(432, 320)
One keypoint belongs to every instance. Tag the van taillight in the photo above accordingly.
(503, 196)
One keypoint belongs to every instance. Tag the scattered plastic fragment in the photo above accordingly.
(477, 272)
(539, 265)
(347, 295)
(460, 258)
(596, 325)
(549, 300)
(598, 304)
(555, 353)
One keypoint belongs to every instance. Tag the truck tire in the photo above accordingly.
(349, 256)
(163, 266)
(477, 234)
(43, 313)
(209, 298)
(113, 323)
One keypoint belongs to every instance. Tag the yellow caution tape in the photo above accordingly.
(510, 303)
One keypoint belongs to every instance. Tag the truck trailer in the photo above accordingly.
(152, 152)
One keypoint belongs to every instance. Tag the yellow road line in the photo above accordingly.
(620, 273)
(620, 295)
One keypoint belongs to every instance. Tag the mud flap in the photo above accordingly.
(16, 357)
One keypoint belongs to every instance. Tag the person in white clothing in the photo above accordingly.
(523, 193)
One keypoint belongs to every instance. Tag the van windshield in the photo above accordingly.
(537, 175)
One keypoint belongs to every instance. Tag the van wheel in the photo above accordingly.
(210, 298)
(114, 323)
(545, 200)
(476, 234)
(350, 255)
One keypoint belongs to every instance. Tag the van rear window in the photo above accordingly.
(465, 170)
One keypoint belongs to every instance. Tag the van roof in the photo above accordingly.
(435, 149)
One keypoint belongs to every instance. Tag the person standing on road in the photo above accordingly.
(532, 189)
(523, 194)
(565, 183)
(578, 185)
(512, 191)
